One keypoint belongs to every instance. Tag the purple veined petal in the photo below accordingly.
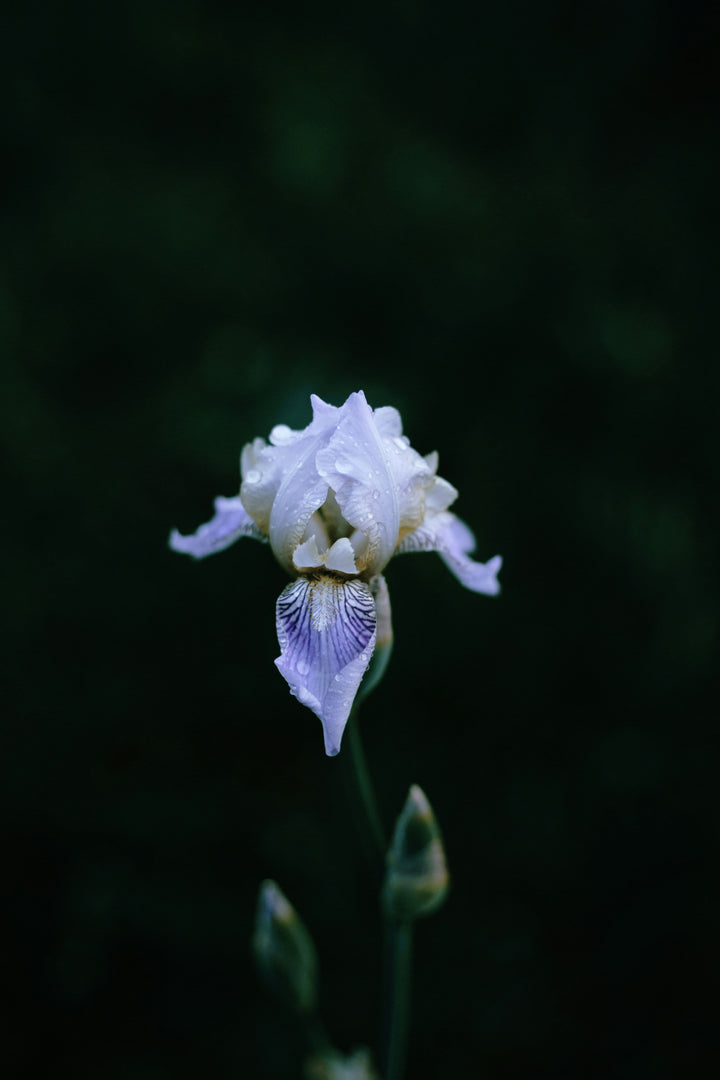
(453, 541)
(326, 629)
(230, 523)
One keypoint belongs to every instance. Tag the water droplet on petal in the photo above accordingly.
(302, 667)
(281, 433)
(253, 477)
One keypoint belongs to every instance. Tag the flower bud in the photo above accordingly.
(417, 879)
(284, 950)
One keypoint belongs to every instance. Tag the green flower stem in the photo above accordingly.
(398, 935)
(362, 795)
(398, 963)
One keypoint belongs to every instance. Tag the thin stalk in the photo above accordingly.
(398, 964)
(362, 794)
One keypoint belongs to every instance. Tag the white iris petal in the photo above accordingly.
(337, 500)
(284, 488)
(307, 556)
(339, 557)
(378, 480)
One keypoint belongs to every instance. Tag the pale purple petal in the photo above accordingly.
(307, 556)
(439, 495)
(230, 523)
(326, 631)
(261, 473)
(388, 421)
(341, 557)
(452, 539)
(281, 486)
(378, 479)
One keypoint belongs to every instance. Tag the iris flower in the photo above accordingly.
(336, 501)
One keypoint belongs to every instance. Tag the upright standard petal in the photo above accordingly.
(452, 539)
(326, 629)
(379, 481)
(230, 523)
(282, 489)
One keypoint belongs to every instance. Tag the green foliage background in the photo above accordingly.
(496, 218)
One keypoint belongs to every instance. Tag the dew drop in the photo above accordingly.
(281, 433)
(252, 477)
(302, 667)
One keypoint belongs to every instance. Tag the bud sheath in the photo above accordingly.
(416, 881)
(284, 951)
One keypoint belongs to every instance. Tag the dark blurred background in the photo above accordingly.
(496, 218)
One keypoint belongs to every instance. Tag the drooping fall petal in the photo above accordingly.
(326, 629)
(454, 542)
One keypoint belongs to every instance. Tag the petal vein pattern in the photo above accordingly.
(326, 629)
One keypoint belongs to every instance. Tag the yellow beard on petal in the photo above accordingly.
(324, 599)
